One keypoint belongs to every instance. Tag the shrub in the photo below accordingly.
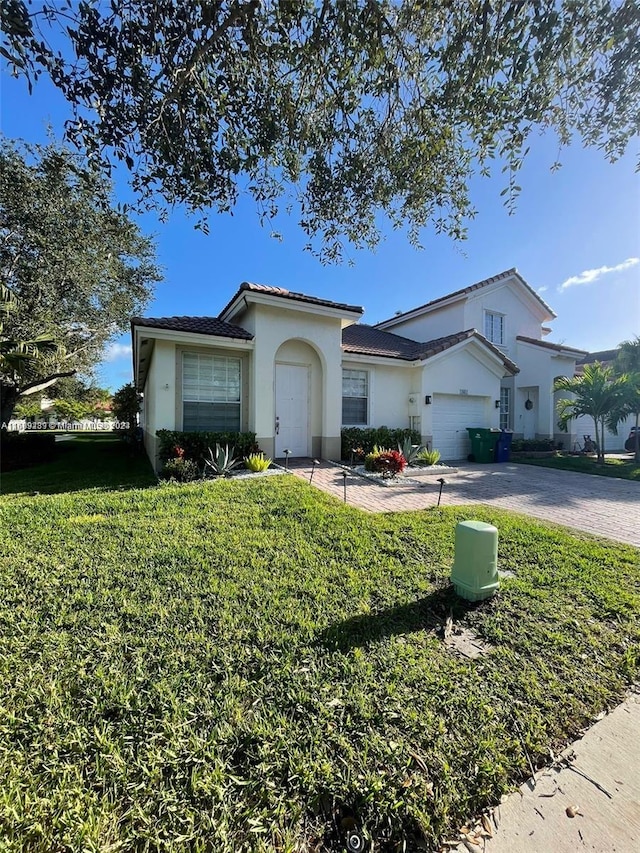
(257, 462)
(389, 463)
(428, 457)
(371, 458)
(180, 469)
(196, 444)
(520, 445)
(20, 449)
(365, 439)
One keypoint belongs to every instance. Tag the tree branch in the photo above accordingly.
(42, 384)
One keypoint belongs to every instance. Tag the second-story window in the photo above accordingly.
(494, 328)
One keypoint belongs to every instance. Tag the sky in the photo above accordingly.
(575, 238)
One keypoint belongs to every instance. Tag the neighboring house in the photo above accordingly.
(585, 425)
(294, 369)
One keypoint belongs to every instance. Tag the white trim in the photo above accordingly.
(193, 338)
(385, 361)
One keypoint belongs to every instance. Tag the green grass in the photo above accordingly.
(237, 666)
(84, 461)
(622, 468)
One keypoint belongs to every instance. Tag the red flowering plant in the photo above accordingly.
(389, 463)
(178, 452)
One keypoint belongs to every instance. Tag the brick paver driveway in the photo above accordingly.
(604, 506)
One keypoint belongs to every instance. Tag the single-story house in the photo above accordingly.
(295, 368)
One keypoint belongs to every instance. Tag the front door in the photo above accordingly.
(292, 409)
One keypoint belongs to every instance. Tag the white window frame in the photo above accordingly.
(505, 408)
(489, 327)
(195, 398)
(367, 376)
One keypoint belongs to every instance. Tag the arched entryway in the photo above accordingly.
(298, 392)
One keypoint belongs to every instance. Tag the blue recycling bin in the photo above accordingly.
(503, 446)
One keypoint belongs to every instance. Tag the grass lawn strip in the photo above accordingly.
(234, 666)
(625, 469)
(84, 461)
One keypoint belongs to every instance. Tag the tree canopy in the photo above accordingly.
(342, 107)
(74, 268)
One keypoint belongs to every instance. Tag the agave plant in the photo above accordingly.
(410, 451)
(257, 462)
(222, 463)
(429, 457)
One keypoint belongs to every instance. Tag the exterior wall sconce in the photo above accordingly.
(427, 400)
(497, 404)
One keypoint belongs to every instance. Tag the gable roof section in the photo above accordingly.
(368, 340)
(549, 345)
(283, 293)
(465, 291)
(195, 325)
(604, 356)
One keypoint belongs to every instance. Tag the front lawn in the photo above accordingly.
(626, 469)
(83, 460)
(253, 666)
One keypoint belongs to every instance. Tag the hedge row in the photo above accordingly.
(196, 444)
(23, 449)
(519, 445)
(368, 438)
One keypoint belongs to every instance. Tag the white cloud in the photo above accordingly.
(542, 289)
(116, 351)
(589, 276)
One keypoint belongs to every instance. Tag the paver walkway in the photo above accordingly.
(604, 506)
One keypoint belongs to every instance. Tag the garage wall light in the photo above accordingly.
(497, 404)
(427, 400)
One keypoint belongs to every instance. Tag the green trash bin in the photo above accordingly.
(483, 443)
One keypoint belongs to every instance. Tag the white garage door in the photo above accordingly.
(452, 414)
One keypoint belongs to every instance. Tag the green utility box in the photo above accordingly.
(483, 443)
(475, 568)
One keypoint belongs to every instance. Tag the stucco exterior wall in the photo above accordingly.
(445, 321)
(539, 368)
(389, 390)
(454, 373)
(502, 299)
(275, 327)
(159, 396)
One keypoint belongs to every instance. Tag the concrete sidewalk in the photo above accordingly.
(597, 778)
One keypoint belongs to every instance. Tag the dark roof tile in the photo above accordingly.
(289, 294)
(195, 325)
(604, 356)
(549, 345)
(368, 340)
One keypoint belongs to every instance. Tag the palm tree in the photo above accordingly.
(596, 393)
(628, 361)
